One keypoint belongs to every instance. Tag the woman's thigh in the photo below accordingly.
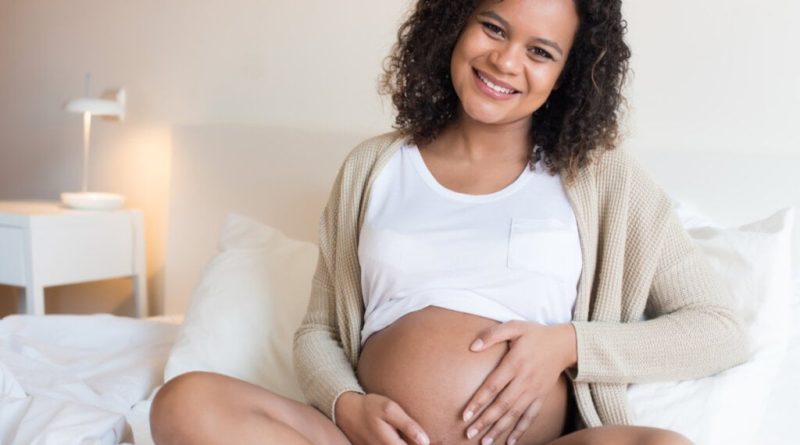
(215, 402)
(622, 435)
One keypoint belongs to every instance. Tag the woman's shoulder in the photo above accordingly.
(619, 169)
(365, 159)
(370, 151)
(614, 161)
(620, 164)
(362, 160)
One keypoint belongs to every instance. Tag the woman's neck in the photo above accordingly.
(479, 142)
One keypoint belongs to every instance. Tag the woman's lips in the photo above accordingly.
(489, 91)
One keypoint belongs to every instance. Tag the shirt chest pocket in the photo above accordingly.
(546, 246)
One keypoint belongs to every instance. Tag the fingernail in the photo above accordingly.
(476, 345)
(512, 441)
(471, 433)
(487, 441)
(422, 439)
(468, 415)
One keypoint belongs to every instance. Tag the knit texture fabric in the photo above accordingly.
(649, 306)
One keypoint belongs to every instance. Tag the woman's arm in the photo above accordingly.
(693, 329)
(327, 341)
(323, 369)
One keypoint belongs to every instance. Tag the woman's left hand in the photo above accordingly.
(517, 387)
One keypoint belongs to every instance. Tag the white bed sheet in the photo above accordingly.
(71, 379)
(780, 421)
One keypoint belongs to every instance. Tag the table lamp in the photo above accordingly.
(107, 108)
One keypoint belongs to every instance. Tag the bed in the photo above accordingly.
(89, 379)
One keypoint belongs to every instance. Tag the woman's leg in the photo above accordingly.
(622, 435)
(206, 408)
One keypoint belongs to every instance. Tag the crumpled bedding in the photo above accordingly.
(71, 379)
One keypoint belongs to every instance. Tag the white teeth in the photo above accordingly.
(497, 88)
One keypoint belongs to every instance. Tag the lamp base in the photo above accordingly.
(92, 200)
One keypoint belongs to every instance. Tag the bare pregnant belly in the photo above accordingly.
(422, 361)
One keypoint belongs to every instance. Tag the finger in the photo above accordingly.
(506, 422)
(496, 334)
(525, 421)
(504, 403)
(388, 435)
(497, 380)
(397, 418)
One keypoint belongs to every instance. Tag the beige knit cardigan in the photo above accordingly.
(648, 306)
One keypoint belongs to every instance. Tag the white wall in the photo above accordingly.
(714, 75)
(193, 62)
(311, 64)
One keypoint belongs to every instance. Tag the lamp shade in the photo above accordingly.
(99, 107)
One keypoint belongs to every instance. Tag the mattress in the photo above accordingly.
(90, 379)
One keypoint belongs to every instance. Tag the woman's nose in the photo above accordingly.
(507, 59)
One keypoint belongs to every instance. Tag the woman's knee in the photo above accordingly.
(178, 406)
(663, 437)
(623, 435)
(175, 392)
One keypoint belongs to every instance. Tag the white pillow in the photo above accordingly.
(243, 314)
(727, 408)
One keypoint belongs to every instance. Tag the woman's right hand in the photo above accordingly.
(374, 419)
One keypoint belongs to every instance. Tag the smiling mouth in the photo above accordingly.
(494, 87)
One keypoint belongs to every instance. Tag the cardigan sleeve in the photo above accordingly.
(322, 367)
(693, 329)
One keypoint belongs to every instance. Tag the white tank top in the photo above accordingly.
(509, 255)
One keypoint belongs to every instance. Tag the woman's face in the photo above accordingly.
(509, 57)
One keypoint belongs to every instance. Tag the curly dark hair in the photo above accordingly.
(582, 115)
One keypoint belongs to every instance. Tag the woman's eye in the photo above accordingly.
(492, 28)
(542, 53)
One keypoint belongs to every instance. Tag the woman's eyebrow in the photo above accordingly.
(541, 40)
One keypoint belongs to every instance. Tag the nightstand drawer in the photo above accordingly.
(12, 256)
(94, 248)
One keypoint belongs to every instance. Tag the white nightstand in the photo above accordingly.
(44, 244)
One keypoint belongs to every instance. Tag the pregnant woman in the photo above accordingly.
(494, 271)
